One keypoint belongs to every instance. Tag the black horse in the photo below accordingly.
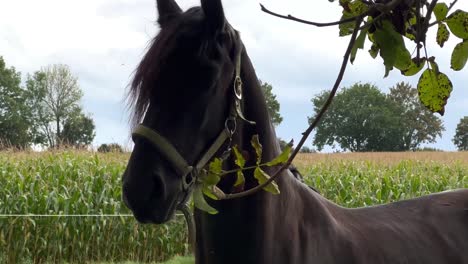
(183, 94)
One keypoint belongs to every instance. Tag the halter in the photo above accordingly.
(190, 173)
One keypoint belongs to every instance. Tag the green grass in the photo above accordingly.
(180, 260)
(84, 183)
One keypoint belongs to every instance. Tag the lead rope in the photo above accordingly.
(190, 226)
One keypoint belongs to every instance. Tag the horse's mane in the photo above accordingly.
(146, 75)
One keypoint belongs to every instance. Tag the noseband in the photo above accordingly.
(190, 173)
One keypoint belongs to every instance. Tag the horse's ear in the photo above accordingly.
(214, 14)
(167, 9)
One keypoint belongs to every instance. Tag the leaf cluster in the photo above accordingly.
(210, 177)
(389, 23)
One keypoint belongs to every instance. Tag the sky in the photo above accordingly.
(102, 41)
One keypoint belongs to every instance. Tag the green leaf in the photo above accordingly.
(442, 34)
(262, 177)
(216, 166)
(213, 192)
(392, 47)
(240, 160)
(459, 56)
(434, 89)
(359, 44)
(346, 28)
(374, 50)
(458, 23)
(208, 191)
(200, 202)
(255, 142)
(345, 4)
(281, 158)
(351, 9)
(240, 178)
(414, 67)
(210, 178)
(440, 11)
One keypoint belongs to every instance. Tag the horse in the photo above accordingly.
(187, 108)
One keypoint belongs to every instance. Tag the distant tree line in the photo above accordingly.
(461, 135)
(44, 111)
(362, 118)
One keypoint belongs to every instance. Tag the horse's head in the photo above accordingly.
(182, 95)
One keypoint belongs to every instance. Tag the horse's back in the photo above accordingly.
(428, 229)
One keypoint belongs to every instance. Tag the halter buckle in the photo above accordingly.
(238, 87)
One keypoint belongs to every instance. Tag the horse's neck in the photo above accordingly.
(255, 225)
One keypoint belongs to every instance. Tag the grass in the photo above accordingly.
(74, 182)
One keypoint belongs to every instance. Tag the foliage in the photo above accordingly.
(272, 104)
(78, 130)
(14, 122)
(35, 94)
(112, 147)
(461, 135)
(388, 23)
(417, 123)
(361, 118)
(56, 95)
(306, 149)
(428, 149)
(365, 183)
(75, 182)
(79, 182)
(210, 177)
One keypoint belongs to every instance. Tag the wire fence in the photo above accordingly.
(70, 215)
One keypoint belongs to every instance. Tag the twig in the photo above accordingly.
(289, 17)
(312, 126)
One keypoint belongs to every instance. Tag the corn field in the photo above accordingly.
(83, 183)
(77, 183)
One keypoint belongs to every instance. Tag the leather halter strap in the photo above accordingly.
(170, 153)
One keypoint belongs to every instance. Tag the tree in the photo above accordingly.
(39, 114)
(272, 103)
(112, 147)
(14, 123)
(361, 118)
(55, 94)
(78, 130)
(364, 119)
(418, 124)
(461, 135)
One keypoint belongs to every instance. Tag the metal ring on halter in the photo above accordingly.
(231, 125)
(189, 179)
(238, 87)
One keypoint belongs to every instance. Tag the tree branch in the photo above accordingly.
(306, 134)
(289, 17)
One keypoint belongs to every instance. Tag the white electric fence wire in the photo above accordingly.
(69, 215)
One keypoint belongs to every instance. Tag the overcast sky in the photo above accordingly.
(103, 40)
